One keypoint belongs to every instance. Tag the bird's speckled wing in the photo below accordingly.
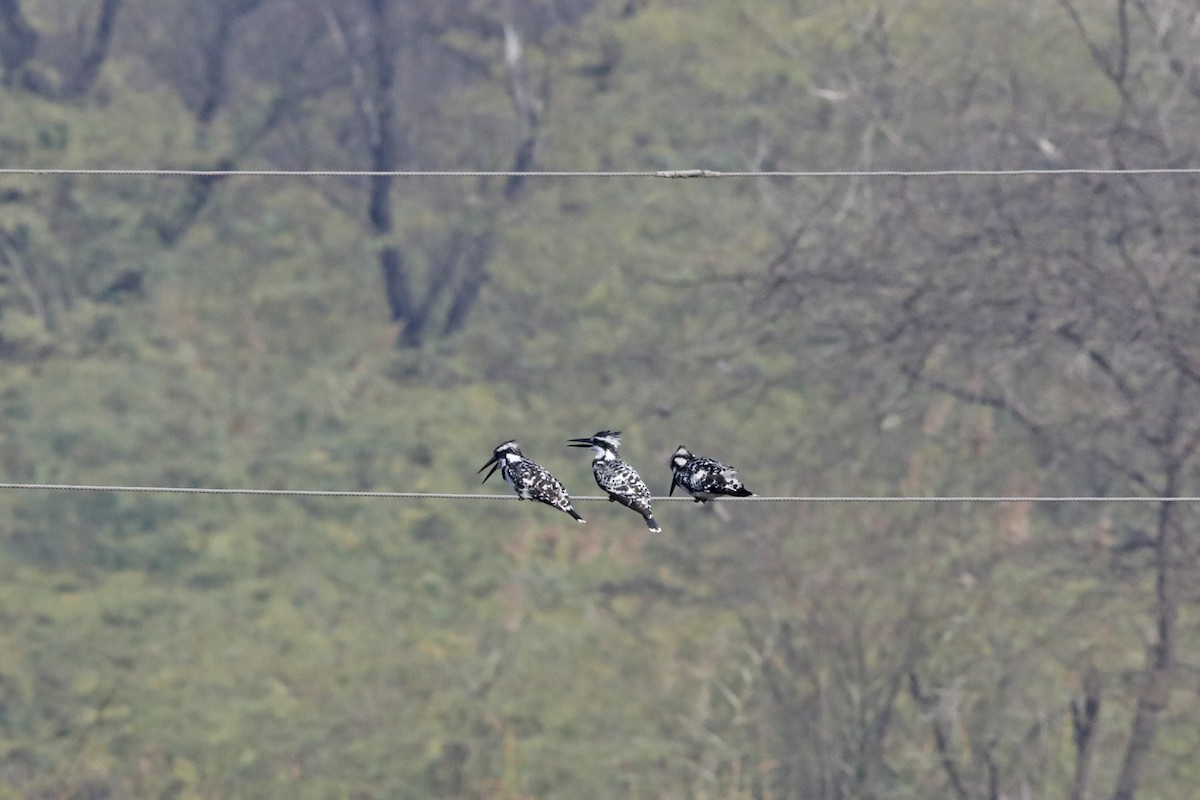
(532, 481)
(620, 479)
(708, 477)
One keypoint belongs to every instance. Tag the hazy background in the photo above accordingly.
(1020, 335)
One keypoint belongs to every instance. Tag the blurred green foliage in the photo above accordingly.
(210, 646)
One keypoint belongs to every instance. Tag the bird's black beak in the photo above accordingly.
(494, 463)
(585, 442)
(671, 491)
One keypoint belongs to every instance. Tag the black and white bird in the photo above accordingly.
(615, 476)
(528, 479)
(705, 478)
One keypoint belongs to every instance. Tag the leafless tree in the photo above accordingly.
(79, 64)
(1066, 305)
(380, 43)
(207, 91)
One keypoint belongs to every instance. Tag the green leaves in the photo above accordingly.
(201, 646)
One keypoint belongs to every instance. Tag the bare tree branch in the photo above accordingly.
(1114, 66)
(95, 51)
(18, 40)
(1085, 720)
(375, 107)
(216, 56)
(10, 253)
(941, 739)
(1154, 693)
(527, 106)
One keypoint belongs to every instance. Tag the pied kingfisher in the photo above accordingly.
(528, 479)
(704, 478)
(616, 476)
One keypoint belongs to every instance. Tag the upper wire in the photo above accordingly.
(668, 173)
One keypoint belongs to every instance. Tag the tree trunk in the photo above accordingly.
(95, 52)
(1084, 719)
(216, 56)
(1160, 660)
(941, 738)
(18, 40)
(479, 253)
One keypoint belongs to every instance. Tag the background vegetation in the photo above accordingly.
(973, 335)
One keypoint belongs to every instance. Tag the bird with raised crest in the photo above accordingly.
(530, 480)
(616, 477)
(704, 478)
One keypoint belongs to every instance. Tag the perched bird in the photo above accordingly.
(705, 478)
(528, 479)
(615, 476)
